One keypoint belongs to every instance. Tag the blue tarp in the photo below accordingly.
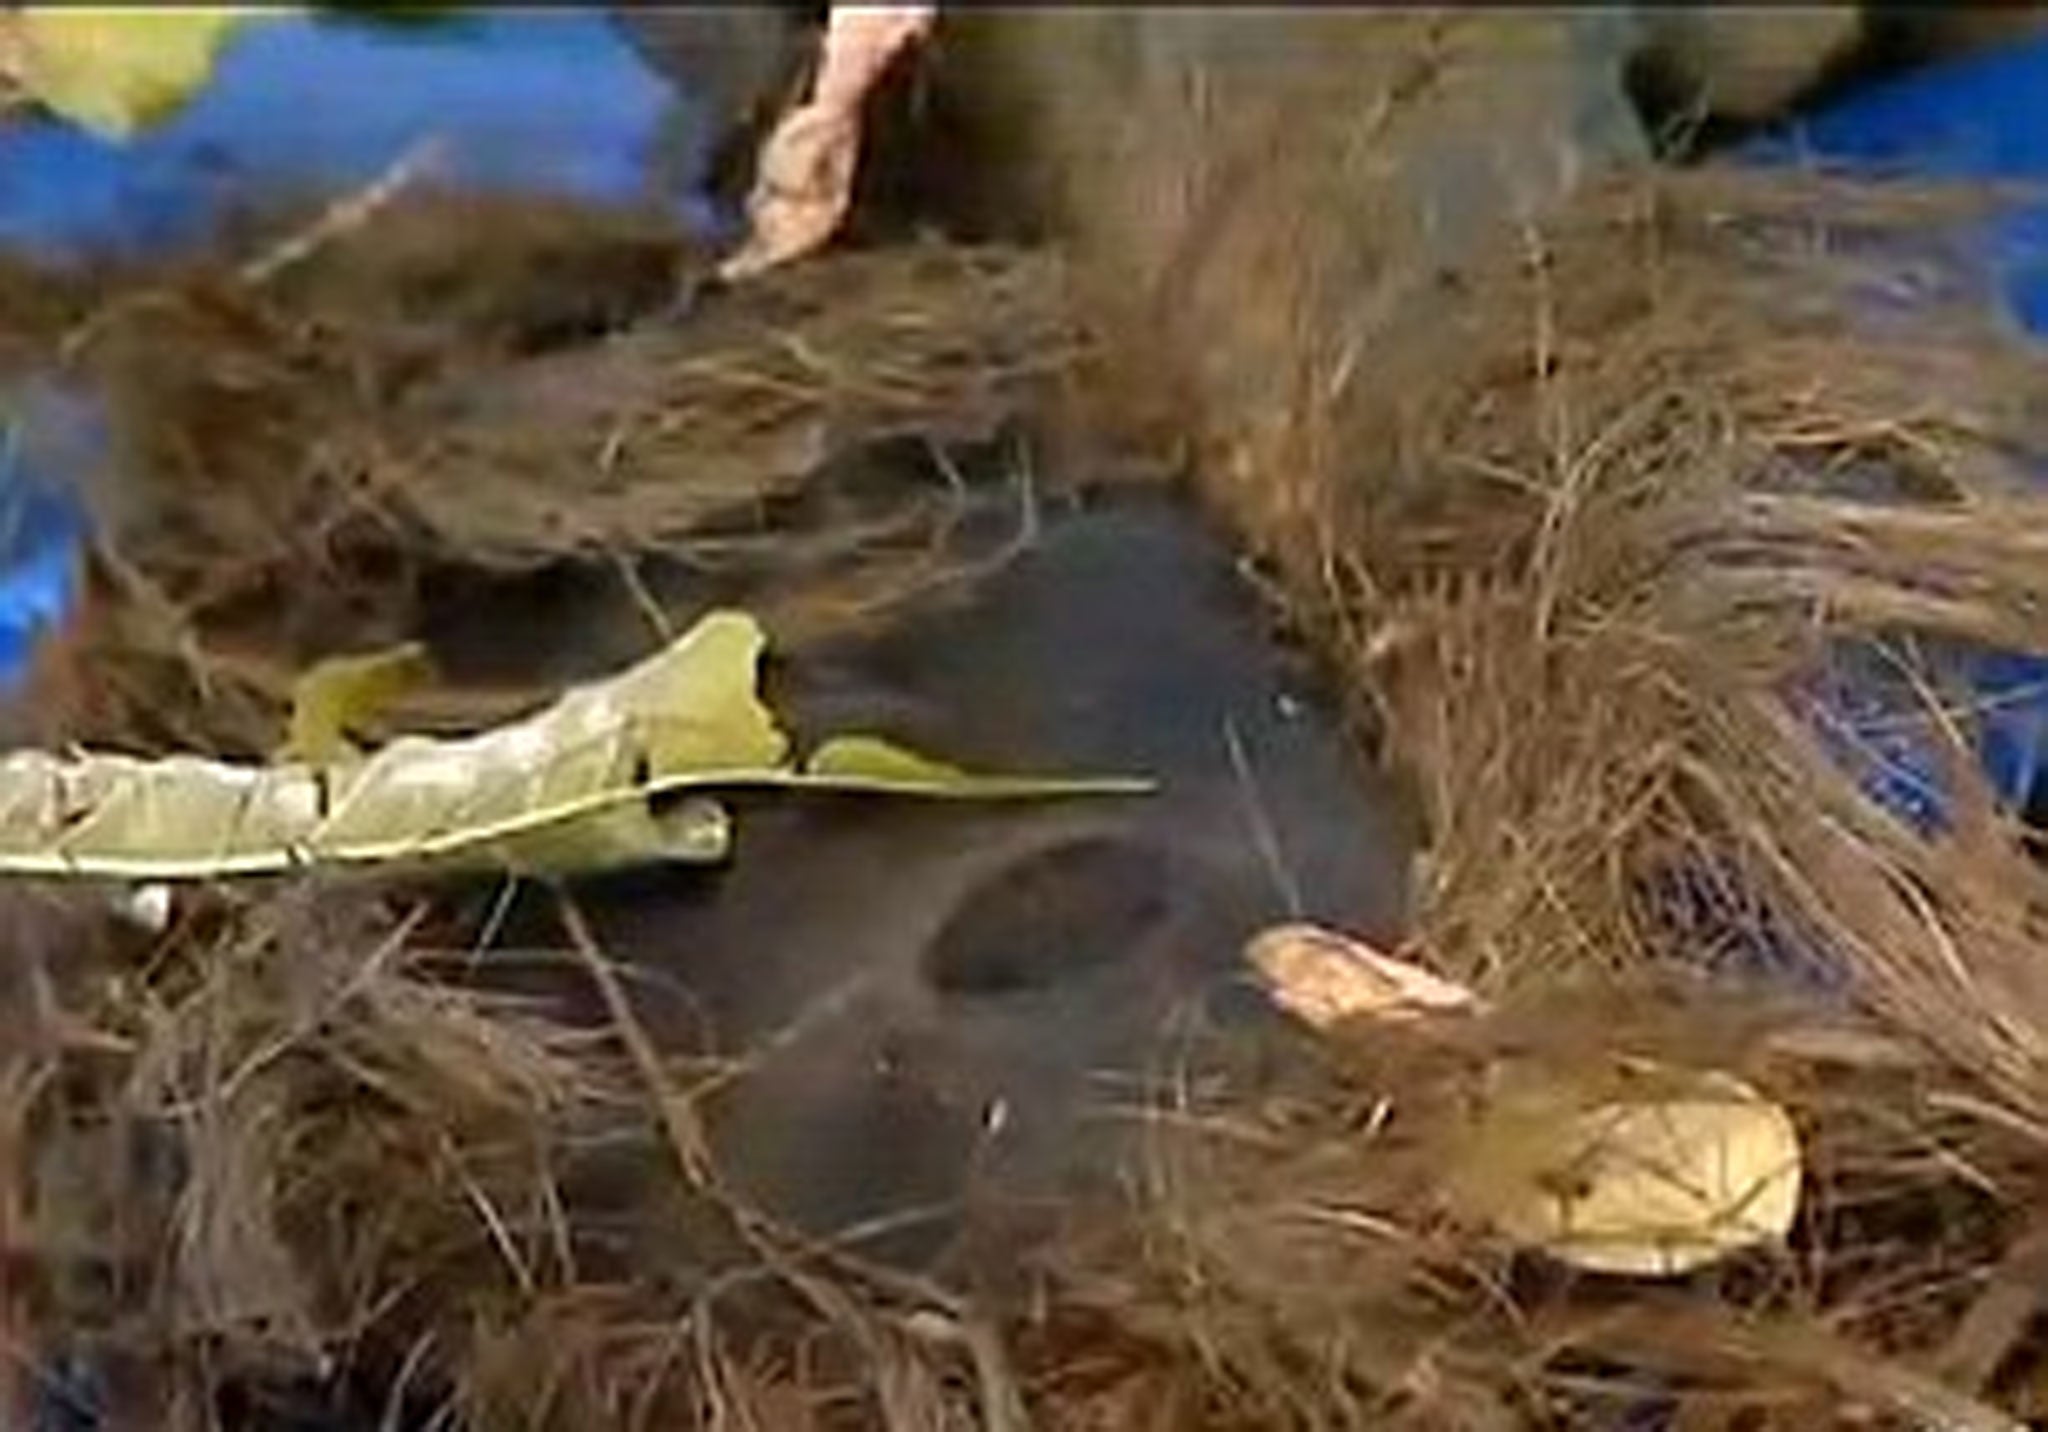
(1985, 117)
(548, 101)
(1982, 117)
(539, 101)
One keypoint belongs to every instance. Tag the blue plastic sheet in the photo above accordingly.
(553, 102)
(1984, 117)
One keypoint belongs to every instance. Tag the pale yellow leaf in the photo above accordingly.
(118, 70)
(1654, 1175)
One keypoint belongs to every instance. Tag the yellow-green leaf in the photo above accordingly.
(693, 830)
(686, 717)
(869, 763)
(1652, 1175)
(614, 772)
(338, 697)
(118, 70)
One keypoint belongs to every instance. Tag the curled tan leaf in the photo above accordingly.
(804, 176)
(1323, 977)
